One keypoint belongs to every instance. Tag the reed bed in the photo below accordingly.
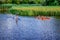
(36, 10)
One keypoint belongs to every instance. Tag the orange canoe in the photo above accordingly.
(43, 18)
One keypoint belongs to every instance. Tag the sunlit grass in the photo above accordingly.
(36, 10)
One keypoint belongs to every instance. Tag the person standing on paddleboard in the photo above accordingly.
(16, 18)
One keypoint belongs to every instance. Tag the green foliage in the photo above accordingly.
(52, 2)
(4, 7)
(36, 12)
(31, 10)
(42, 2)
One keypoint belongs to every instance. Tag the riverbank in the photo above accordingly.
(34, 10)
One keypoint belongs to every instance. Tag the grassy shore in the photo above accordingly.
(36, 10)
(27, 10)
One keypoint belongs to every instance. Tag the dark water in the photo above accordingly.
(28, 28)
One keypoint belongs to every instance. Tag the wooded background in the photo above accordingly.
(42, 2)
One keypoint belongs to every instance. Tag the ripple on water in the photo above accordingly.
(28, 28)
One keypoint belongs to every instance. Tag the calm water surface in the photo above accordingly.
(28, 28)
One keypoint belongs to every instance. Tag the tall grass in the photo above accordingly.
(32, 10)
(4, 8)
(36, 10)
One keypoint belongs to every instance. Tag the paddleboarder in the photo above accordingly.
(16, 18)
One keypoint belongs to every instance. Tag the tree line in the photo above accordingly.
(42, 2)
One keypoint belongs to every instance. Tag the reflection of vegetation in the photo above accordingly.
(57, 17)
(36, 10)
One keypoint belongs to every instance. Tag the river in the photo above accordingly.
(28, 28)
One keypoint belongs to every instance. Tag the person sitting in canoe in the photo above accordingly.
(43, 17)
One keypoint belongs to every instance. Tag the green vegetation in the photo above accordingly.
(36, 10)
(4, 7)
(42, 2)
(31, 7)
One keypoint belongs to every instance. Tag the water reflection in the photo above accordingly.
(28, 28)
